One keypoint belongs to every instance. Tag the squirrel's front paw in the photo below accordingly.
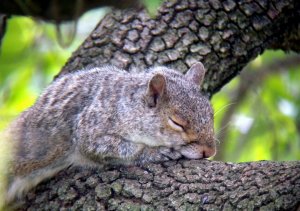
(170, 153)
(152, 155)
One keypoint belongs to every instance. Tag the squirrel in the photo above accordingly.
(105, 115)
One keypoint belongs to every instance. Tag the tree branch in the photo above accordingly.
(225, 36)
(182, 185)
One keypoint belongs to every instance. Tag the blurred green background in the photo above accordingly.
(259, 123)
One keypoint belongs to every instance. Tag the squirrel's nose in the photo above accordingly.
(197, 151)
(208, 151)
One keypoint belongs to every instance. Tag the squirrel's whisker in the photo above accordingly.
(222, 108)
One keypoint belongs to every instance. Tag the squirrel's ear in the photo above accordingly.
(156, 88)
(196, 73)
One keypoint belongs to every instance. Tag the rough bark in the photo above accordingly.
(181, 185)
(225, 36)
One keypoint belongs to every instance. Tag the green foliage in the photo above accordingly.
(272, 107)
(152, 6)
(29, 59)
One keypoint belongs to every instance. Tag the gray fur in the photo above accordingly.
(105, 115)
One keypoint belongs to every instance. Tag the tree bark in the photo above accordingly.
(175, 185)
(225, 36)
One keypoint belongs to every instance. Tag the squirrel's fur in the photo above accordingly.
(106, 115)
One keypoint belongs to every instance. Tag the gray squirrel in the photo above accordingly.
(105, 115)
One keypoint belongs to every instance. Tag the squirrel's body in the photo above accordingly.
(106, 115)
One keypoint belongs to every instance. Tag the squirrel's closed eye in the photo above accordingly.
(175, 125)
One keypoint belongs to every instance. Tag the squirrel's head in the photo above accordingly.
(186, 114)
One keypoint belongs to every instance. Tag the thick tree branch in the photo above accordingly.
(224, 35)
(182, 185)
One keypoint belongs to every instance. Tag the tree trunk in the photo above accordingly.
(225, 36)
